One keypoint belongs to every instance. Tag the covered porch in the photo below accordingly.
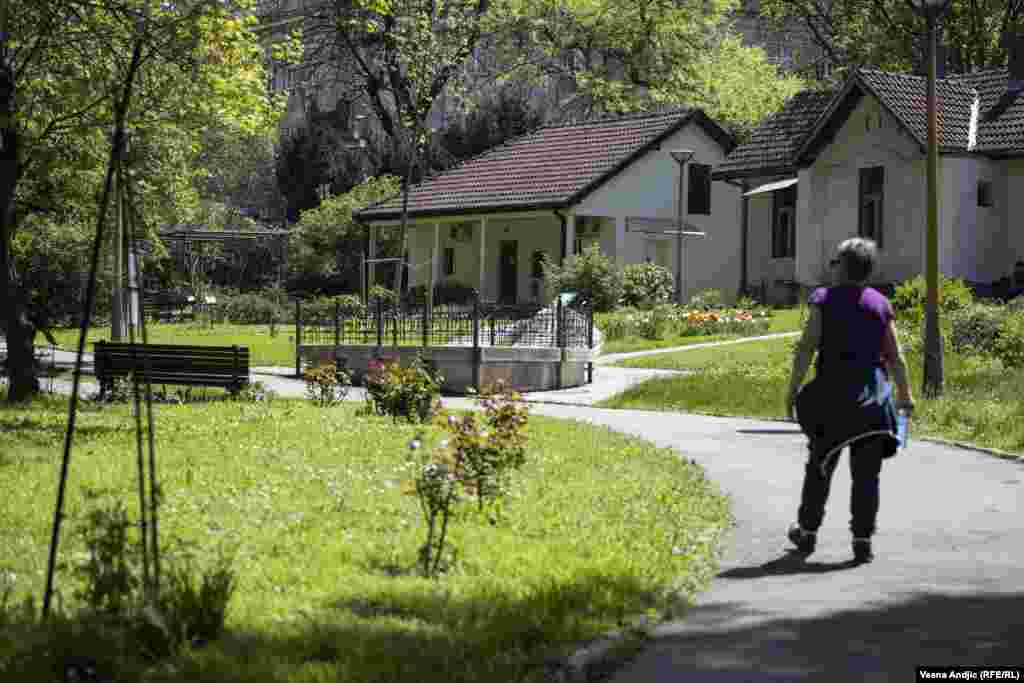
(500, 255)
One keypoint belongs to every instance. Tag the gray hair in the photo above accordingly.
(857, 257)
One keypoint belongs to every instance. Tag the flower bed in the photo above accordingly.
(668, 321)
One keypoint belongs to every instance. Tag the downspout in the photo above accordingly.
(744, 236)
(565, 226)
(744, 231)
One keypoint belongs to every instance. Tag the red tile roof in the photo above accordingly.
(1001, 112)
(551, 167)
(792, 137)
(773, 144)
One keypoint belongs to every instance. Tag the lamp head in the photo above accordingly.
(681, 155)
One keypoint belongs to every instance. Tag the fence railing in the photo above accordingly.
(476, 324)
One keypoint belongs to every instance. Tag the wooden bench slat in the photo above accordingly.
(173, 364)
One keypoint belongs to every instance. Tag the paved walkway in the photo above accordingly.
(947, 587)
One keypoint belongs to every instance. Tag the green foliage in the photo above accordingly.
(251, 308)
(477, 460)
(592, 275)
(112, 586)
(1009, 346)
(293, 481)
(664, 320)
(646, 284)
(387, 297)
(708, 299)
(633, 55)
(909, 298)
(412, 392)
(853, 33)
(975, 329)
(327, 384)
(328, 241)
(69, 61)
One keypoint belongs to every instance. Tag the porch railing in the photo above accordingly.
(475, 324)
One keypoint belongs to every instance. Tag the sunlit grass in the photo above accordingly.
(599, 528)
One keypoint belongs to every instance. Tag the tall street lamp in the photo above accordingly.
(932, 10)
(681, 156)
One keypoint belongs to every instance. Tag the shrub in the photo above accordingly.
(909, 297)
(388, 296)
(646, 284)
(617, 325)
(327, 384)
(592, 275)
(477, 459)
(708, 299)
(413, 392)
(1009, 347)
(655, 323)
(250, 309)
(1015, 305)
(187, 612)
(975, 329)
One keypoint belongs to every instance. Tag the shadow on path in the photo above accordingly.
(730, 643)
(790, 563)
(769, 430)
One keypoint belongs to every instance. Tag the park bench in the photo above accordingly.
(205, 366)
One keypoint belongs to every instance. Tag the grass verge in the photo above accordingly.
(982, 403)
(783, 320)
(599, 528)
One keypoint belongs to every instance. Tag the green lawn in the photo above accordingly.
(599, 528)
(783, 320)
(264, 349)
(982, 403)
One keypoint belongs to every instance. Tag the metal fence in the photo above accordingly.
(475, 324)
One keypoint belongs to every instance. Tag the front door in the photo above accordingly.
(507, 271)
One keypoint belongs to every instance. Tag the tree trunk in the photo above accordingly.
(20, 333)
(21, 366)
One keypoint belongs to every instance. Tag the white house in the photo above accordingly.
(852, 162)
(560, 188)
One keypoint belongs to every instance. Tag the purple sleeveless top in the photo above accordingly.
(854, 319)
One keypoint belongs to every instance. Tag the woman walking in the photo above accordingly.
(850, 400)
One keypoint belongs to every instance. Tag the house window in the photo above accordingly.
(698, 197)
(784, 223)
(872, 195)
(538, 264)
(984, 193)
(449, 260)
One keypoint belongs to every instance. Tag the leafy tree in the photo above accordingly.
(400, 58)
(887, 34)
(633, 55)
(327, 242)
(63, 67)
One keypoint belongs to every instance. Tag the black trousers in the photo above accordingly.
(865, 466)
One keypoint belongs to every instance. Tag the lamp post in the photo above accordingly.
(681, 157)
(932, 10)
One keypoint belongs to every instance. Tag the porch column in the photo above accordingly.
(370, 282)
(436, 266)
(434, 270)
(482, 256)
(570, 235)
(620, 241)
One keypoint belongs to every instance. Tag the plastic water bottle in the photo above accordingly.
(902, 428)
